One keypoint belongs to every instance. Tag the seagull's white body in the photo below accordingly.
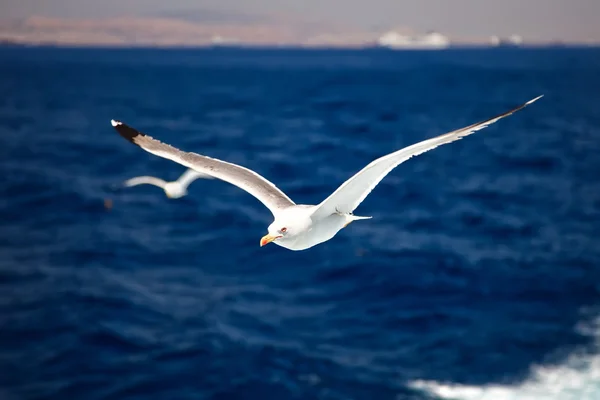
(299, 227)
(305, 229)
(174, 189)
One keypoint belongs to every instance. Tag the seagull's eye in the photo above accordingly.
(283, 230)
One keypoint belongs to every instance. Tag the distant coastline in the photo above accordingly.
(161, 32)
(250, 47)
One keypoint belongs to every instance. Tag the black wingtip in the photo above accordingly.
(125, 130)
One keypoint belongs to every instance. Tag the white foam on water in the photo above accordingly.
(578, 378)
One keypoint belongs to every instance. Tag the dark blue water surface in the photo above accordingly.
(480, 261)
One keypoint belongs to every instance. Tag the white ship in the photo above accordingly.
(431, 40)
(511, 41)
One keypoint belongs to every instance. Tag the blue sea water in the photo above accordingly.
(478, 276)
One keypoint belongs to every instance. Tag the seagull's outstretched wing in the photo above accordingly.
(352, 192)
(145, 180)
(190, 176)
(266, 192)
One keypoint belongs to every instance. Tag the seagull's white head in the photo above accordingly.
(287, 227)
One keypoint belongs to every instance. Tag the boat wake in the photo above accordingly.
(578, 378)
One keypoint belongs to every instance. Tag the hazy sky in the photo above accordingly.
(534, 19)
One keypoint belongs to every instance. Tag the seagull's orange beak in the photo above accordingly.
(267, 239)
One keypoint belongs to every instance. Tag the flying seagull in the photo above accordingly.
(174, 189)
(296, 226)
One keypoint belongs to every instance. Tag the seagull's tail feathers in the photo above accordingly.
(356, 217)
(351, 217)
